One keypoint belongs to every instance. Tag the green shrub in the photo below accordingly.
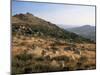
(60, 58)
(24, 56)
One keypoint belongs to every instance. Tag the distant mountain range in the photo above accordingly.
(86, 31)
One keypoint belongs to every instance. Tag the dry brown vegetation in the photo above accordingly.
(41, 46)
(34, 54)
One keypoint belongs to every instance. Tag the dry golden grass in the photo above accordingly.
(51, 55)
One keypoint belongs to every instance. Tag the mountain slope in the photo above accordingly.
(30, 25)
(40, 46)
(86, 31)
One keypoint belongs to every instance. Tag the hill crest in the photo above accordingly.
(30, 25)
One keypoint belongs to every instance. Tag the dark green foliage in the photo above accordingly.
(24, 56)
(61, 58)
(54, 48)
(39, 58)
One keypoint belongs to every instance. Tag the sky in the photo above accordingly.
(61, 14)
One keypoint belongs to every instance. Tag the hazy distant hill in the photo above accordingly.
(30, 25)
(64, 26)
(86, 31)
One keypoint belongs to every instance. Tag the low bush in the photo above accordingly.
(60, 58)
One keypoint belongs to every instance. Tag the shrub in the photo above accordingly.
(60, 58)
(24, 56)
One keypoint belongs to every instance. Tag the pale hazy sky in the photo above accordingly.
(58, 13)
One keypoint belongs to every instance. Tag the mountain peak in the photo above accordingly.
(23, 16)
(29, 14)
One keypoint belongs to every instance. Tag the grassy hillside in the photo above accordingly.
(40, 46)
(29, 25)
